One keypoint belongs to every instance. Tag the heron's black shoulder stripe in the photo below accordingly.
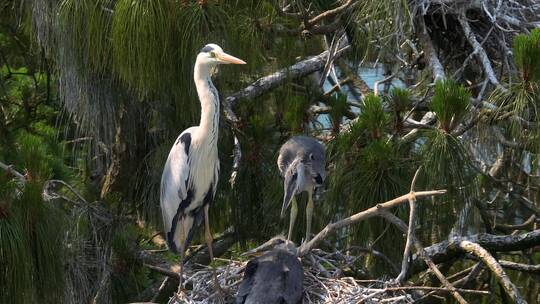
(207, 48)
(186, 140)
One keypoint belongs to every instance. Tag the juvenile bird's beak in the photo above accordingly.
(228, 59)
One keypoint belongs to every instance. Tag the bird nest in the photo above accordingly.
(324, 282)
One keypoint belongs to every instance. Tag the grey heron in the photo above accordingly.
(190, 175)
(276, 277)
(301, 163)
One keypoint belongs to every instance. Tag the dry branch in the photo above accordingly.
(269, 82)
(420, 250)
(479, 50)
(406, 262)
(520, 267)
(495, 268)
(369, 213)
(449, 250)
(9, 169)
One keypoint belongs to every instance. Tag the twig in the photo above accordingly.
(449, 250)
(520, 266)
(479, 50)
(495, 268)
(163, 271)
(406, 262)
(483, 292)
(368, 213)
(331, 13)
(269, 82)
(420, 250)
(51, 183)
(523, 225)
(9, 169)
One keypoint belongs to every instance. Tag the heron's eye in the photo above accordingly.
(213, 54)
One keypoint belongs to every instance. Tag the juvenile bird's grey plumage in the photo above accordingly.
(276, 277)
(301, 163)
(190, 175)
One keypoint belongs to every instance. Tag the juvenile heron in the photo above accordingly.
(276, 277)
(190, 176)
(301, 163)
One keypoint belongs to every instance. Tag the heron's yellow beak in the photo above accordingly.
(228, 59)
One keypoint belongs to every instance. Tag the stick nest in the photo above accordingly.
(322, 284)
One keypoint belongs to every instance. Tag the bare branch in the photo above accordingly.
(407, 258)
(9, 169)
(420, 250)
(495, 268)
(520, 266)
(332, 12)
(267, 83)
(449, 250)
(368, 213)
(479, 50)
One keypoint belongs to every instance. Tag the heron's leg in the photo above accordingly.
(309, 215)
(208, 234)
(294, 212)
(209, 241)
(182, 252)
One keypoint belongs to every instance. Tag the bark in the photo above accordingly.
(495, 268)
(449, 250)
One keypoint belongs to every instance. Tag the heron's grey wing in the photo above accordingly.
(174, 183)
(292, 183)
(247, 281)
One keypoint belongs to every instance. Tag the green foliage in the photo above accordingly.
(365, 171)
(399, 99)
(373, 117)
(520, 101)
(141, 35)
(87, 24)
(527, 55)
(339, 107)
(16, 271)
(295, 113)
(447, 166)
(450, 103)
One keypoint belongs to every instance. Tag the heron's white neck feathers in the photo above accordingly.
(209, 98)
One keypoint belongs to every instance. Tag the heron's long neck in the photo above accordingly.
(209, 98)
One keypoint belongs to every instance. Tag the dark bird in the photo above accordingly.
(276, 277)
(190, 175)
(301, 163)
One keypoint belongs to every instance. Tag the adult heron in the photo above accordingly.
(190, 175)
(301, 163)
(276, 277)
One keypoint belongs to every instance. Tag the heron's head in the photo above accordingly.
(212, 55)
(277, 242)
(316, 162)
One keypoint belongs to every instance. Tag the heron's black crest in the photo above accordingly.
(207, 48)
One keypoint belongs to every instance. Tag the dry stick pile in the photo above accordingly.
(326, 285)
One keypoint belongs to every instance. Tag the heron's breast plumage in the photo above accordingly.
(203, 161)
